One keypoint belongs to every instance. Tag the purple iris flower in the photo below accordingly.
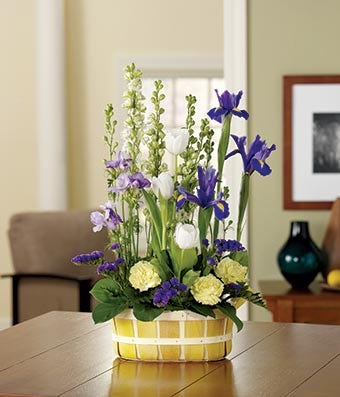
(228, 104)
(109, 218)
(121, 162)
(205, 193)
(124, 182)
(255, 159)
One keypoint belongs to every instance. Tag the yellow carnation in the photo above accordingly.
(207, 290)
(230, 271)
(143, 275)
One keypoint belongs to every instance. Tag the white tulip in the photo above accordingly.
(186, 236)
(176, 140)
(164, 184)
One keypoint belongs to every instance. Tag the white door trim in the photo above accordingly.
(235, 74)
(51, 105)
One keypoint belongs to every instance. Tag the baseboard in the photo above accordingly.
(5, 322)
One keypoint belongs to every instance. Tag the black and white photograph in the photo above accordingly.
(326, 142)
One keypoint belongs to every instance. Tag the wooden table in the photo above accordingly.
(315, 305)
(64, 354)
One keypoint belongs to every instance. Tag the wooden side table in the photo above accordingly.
(315, 306)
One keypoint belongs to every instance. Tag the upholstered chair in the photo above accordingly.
(42, 244)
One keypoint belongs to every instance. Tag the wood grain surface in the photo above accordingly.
(65, 354)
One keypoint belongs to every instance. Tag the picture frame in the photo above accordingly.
(311, 141)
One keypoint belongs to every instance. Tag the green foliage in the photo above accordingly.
(106, 311)
(230, 311)
(241, 257)
(155, 135)
(146, 312)
(106, 290)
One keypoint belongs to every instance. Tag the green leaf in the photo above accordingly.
(105, 290)
(244, 196)
(203, 310)
(106, 311)
(155, 215)
(146, 312)
(241, 257)
(204, 218)
(230, 311)
(182, 259)
(190, 276)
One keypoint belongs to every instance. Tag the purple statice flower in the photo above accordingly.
(228, 105)
(207, 180)
(227, 245)
(205, 242)
(233, 287)
(169, 289)
(211, 261)
(139, 181)
(110, 266)
(88, 259)
(109, 218)
(124, 182)
(121, 162)
(255, 159)
(114, 246)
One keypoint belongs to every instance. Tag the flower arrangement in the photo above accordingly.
(182, 213)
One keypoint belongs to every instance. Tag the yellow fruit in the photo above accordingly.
(333, 278)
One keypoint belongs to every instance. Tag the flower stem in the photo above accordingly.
(221, 153)
(175, 169)
(244, 196)
(164, 215)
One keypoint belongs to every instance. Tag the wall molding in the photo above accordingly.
(51, 105)
(5, 322)
(235, 75)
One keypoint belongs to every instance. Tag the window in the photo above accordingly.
(176, 89)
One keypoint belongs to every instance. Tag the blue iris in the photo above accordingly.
(228, 104)
(207, 180)
(254, 160)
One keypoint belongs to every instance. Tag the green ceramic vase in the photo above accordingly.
(300, 260)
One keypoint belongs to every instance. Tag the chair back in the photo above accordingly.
(45, 242)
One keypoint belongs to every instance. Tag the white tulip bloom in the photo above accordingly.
(186, 236)
(176, 140)
(163, 184)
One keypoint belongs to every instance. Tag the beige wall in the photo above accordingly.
(98, 35)
(18, 174)
(285, 37)
(102, 32)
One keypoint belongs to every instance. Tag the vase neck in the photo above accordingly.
(299, 229)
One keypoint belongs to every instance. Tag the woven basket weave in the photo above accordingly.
(173, 336)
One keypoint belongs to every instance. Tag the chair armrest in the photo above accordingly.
(77, 278)
(84, 285)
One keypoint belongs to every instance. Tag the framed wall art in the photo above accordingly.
(311, 133)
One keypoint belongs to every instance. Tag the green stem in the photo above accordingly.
(164, 216)
(175, 169)
(221, 153)
(244, 196)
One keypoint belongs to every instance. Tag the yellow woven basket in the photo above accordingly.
(173, 336)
